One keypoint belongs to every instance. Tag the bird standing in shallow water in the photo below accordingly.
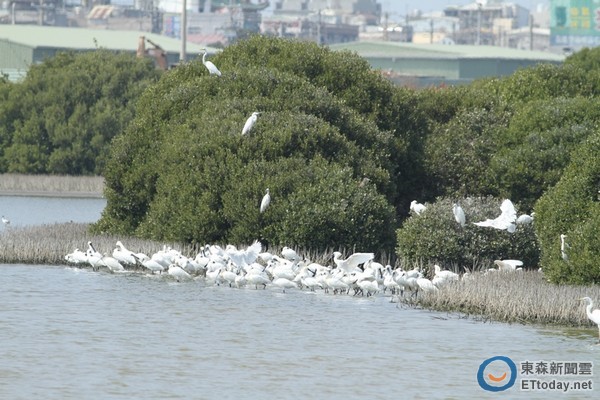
(594, 316)
(266, 200)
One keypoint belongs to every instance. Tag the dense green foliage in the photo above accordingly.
(572, 208)
(181, 170)
(63, 116)
(435, 236)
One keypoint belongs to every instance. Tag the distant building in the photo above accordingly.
(323, 21)
(574, 24)
(487, 22)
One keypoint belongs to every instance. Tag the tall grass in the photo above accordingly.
(48, 244)
(523, 297)
(52, 184)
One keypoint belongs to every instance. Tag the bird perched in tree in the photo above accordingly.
(212, 68)
(416, 207)
(563, 247)
(459, 214)
(250, 122)
(506, 220)
(594, 316)
(266, 200)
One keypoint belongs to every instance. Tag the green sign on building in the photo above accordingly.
(575, 23)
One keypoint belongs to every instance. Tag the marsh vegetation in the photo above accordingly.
(51, 185)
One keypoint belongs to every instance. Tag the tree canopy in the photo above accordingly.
(63, 116)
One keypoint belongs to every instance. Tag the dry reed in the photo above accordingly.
(48, 244)
(523, 297)
(52, 185)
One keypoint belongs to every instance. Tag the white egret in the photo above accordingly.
(212, 68)
(266, 200)
(416, 207)
(525, 219)
(250, 122)
(508, 265)
(505, 221)
(563, 247)
(594, 316)
(351, 263)
(459, 214)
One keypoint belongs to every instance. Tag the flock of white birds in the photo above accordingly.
(358, 274)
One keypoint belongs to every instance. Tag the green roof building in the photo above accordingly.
(24, 45)
(425, 64)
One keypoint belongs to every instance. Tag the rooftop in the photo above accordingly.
(379, 49)
(36, 36)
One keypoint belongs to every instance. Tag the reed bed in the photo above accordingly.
(48, 244)
(52, 184)
(522, 297)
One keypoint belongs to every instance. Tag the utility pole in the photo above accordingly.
(431, 31)
(319, 28)
(479, 9)
(385, 26)
(183, 31)
(530, 32)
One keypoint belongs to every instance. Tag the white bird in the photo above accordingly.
(525, 219)
(368, 285)
(77, 257)
(508, 265)
(443, 276)
(284, 283)
(123, 255)
(212, 68)
(178, 273)
(563, 247)
(594, 316)
(112, 263)
(459, 214)
(289, 254)
(153, 265)
(505, 221)
(351, 263)
(266, 200)
(5, 220)
(417, 208)
(250, 122)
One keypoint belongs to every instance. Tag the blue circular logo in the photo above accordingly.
(498, 382)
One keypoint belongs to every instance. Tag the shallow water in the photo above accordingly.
(26, 210)
(67, 333)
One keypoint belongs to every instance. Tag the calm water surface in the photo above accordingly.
(68, 333)
(24, 210)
